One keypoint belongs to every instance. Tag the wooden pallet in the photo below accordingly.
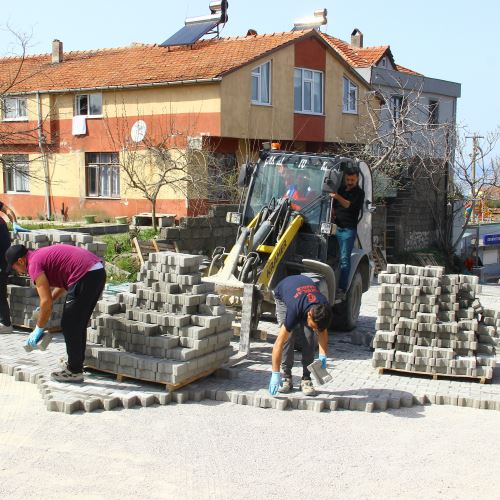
(120, 377)
(434, 376)
(145, 247)
(379, 260)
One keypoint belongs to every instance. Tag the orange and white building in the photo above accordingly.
(58, 111)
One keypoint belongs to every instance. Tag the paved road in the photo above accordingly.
(213, 451)
(223, 450)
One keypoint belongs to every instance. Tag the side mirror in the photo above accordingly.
(245, 173)
(332, 180)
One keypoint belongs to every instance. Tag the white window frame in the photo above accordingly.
(304, 80)
(18, 167)
(90, 97)
(102, 169)
(348, 86)
(258, 76)
(18, 109)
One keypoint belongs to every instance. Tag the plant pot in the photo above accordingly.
(89, 219)
(122, 219)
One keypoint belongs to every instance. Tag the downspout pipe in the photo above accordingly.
(41, 145)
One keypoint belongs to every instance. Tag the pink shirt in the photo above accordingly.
(63, 265)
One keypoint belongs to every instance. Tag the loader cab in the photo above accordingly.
(295, 176)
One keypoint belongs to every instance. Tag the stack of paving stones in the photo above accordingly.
(430, 322)
(23, 297)
(168, 328)
(203, 233)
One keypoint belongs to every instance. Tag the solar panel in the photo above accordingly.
(190, 33)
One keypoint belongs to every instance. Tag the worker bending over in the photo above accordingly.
(302, 311)
(63, 267)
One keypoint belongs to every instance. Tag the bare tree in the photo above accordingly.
(160, 158)
(14, 71)
(407, 148)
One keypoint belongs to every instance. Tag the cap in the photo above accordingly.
(14, 253)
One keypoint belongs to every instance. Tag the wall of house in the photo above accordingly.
(340, 126)
(172, 111)
(241, 118)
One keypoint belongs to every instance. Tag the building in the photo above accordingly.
(59, 140)
(422, 110)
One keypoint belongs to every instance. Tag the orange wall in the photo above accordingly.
(310, 54)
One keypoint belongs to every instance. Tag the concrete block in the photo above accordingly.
(321, 375)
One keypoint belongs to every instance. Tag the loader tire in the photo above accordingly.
(346, 314)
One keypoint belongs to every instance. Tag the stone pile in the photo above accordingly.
(203, 233)
(431, 322)
(23, 297)
(46, 237)
(168, 328)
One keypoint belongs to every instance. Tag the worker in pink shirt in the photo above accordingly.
(62, 268)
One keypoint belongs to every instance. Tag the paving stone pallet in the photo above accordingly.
(23, 297)
(432, 323)
(169, 328)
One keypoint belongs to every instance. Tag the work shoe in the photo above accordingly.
(5, 329)
(307, 388)
(287, 385)
(67, 376)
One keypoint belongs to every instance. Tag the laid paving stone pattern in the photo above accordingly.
(431, 322)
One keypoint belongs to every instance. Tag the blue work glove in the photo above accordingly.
(35, 337)
(275, 383)
(322, 358)
(19, 229)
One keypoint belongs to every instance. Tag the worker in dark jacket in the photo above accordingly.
(302, 312)
(54, 270)
(348, 202)
(5, 324)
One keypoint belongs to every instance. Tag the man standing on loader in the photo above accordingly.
(348, 202)
(302, 311)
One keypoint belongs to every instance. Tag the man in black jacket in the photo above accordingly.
(348, 202)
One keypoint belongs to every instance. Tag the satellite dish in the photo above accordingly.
(138, 131)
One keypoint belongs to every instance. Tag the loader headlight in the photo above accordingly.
(233, 218)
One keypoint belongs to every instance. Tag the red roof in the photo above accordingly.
(140, 64)
(363, 57)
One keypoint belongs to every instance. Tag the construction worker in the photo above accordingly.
(5, 323)
(302, 312)
(63, 268)
(348, 202)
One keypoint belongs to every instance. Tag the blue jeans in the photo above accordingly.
(346, 238)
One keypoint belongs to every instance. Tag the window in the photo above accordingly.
(308, 87)
(88, 104)
(102, 173)
(16, 173)
(397, 108)
(433, 113)
(350, 99)
(14, 108)
(261, 84)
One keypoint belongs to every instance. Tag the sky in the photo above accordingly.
(453, 40)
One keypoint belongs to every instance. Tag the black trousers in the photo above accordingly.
(81, 300)
(4, 304)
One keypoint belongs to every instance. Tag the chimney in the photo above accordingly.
(357, 38)
(57, 51)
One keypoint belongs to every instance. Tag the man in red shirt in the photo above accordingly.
(63, 268)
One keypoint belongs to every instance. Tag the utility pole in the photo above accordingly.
(475, 193)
